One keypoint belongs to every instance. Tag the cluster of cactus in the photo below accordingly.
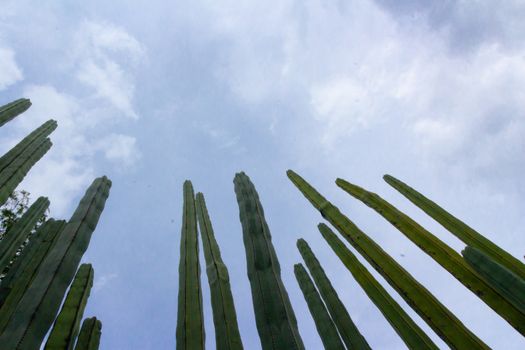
(37, 280)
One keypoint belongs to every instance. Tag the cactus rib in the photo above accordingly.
(274, 316)
(448, 258)
(458, 228)
(227, 334)
(324, 324)
(13, 109)
(437, 316)
(39, 305)
(89, 336)
(65, 330)
(348, 330)
(190, 325)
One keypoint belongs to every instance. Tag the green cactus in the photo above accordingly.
(405, 327)
(15, 172)
(274, 316)
(227, 334)
(39, 305)
(437, 316)
(12, 109)
(90, 332)
(21, 230)
(447, 257)
(190, 324)
(348, 330)
(65, 330)
(37, 135)
(508, 284)
(324, 324)
(17, 280)
(458, 228)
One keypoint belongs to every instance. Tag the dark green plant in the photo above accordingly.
(190, 324)
(324, 324)
(437, 316)
(90, 332)
(346, 327)
(65, 330)
(12, 109)
(15, 206)
(274, 315)
(227, 334)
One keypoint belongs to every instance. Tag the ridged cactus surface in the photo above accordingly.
(411, 334)
(447, 257)
(12, 109)
(437, 316)
(227, 334)
(190, 324)
(324, 324)
(20, 231)
(458, 228)
(65, 330)
(39, 305)
(347, 329)
(274, 315)
(89, 336)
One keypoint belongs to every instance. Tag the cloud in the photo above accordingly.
(102, 281)
(120, 149)
(10, 72)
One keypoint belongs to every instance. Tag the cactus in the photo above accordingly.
(405, 327)
(37, 135)
(441, 253)
(349, 332)
(89, 337)
(274, 316)
(458, 228)
(502, 279)
(227, 334)
(324, 324)
(12, 109)
(437, 316)
(17, 280)
(65, 330)
(20, 231)
(15, 172)
(39, 305)
(190, 324)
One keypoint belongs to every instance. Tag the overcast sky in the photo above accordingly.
(151, 93)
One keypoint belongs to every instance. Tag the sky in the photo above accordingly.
(151, 93)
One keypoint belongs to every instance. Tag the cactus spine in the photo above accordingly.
(324, 324)
(502, 279)
(274, 316)
(12, 109)
(39, 305)
(65, 329)
(89, 336)
(441, 253)
(227, 334)
(437, 316)
(458, 228)
(405, 327)
(348, 330)
(21, 230)
(190, 326)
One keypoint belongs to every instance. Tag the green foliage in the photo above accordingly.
(89, 337)
(12, 109)
(190, 323)
(65, 329)
(274, 315)
(437, 316)
(324, 324)
(227, 334)
(346, 327)
(12, 210)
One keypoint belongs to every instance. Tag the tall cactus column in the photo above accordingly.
(190, 326)
(274, 315)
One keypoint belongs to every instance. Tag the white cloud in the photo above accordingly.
(102, 281)
(120, 149)
(10, 72)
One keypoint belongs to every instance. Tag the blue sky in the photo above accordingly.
(153, 93)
